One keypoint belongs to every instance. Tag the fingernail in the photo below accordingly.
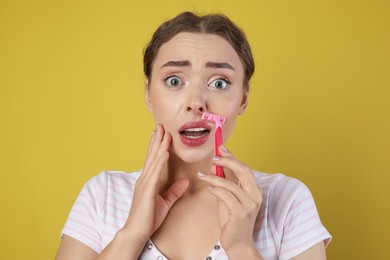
(153, 132)
(216, 158)
(223, 148)
(210, 187)
(157, 127)
(201, 174)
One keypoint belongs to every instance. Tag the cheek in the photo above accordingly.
(159, 109)
(163, 108)
(229, 107)
(230, 110)
(228, 127)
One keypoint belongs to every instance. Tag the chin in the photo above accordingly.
(192, 155)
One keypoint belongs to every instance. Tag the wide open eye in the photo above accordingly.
(220, 83)
(173, 82)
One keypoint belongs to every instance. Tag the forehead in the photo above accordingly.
(198, 48)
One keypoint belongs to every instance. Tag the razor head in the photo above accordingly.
(213, 118)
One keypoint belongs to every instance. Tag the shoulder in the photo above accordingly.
(100, 197)
(112, 177)
(289, 219)
(97, 188)
(278, 183)
(282, 193)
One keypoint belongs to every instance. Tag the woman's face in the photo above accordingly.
(191, 74)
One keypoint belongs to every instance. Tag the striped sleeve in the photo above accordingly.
(299, 222)
(83, 222)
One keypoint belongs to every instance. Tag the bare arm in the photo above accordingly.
(121, 247)
(148, 209)
(316, 252)
(71, 248)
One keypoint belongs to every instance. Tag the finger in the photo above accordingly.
(224, 152)
(215, 181)
(231, 202)
(151, 181)
(158, 151)
(154, 145)
(175, 191)
(160, 159)
(151, 141)
(240, 170)
(146, 164)
(162, 148)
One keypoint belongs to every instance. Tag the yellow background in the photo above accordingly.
(71, 105)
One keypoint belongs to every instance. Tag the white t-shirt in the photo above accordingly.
(287, 225)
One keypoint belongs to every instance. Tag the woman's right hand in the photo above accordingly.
(149, 208)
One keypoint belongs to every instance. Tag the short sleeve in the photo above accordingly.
(83, 222)
(298, 215)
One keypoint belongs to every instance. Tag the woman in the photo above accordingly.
(176, 208)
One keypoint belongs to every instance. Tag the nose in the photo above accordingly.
(195, 107)
(196, 100)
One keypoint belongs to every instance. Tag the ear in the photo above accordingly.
(147, 96)
(244, 102)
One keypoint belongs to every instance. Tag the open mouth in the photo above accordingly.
(193, 133)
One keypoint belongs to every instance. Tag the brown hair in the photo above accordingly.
(217, 24)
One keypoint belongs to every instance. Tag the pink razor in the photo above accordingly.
(218, 120)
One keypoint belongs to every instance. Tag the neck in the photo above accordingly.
(177, 169)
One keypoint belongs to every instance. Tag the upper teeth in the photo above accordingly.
(199, 129)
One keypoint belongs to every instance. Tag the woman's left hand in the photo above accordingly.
(238, 204)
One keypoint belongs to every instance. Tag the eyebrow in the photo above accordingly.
(182, 63)
(186, 63)
(219, 65)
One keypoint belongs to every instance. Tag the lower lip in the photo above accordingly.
(194, 142)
